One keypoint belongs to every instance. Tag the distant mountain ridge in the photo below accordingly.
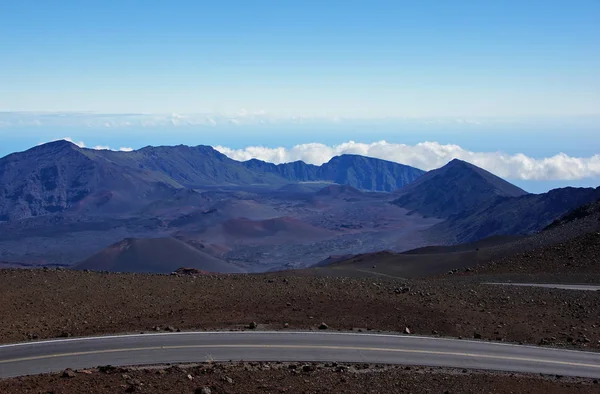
(361, 172)
(57, 176)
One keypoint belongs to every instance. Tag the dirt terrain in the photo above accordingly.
(292, 378)
(575, 260)
(565, 252)
(60, 303)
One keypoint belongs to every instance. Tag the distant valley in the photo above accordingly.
(65, 205)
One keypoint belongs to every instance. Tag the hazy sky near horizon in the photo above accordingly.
(512, 86)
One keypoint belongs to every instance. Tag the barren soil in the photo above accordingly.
(292, 378)
(39, 304)
(575, 260)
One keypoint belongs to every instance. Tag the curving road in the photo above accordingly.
(52, 356)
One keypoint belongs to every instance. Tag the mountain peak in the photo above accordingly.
(454, 188)
(58, 145)
(458, 162)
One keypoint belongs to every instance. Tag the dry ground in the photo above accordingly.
(292, 378)
(574, 260)
(37, 304)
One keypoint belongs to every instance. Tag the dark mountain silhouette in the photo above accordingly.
(587, 211)
(155, 255)
(454, 188)
(513, 215)
(59, 175)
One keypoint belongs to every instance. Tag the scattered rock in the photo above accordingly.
(189, 272)
(406, 330)
(323, 326)
(134, 382)
(107, 369)
(476, 335)
(203, 390)
(68, 373)
(252, 325)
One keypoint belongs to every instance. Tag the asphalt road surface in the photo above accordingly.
(145, 349)
(552, 286)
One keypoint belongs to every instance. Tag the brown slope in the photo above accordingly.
(569, 247)
(567, 250)
(154, 255)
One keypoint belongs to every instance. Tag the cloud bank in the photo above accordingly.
(431, 155)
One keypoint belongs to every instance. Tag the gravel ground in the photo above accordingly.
(292, 378)
(39, 304)
(577, 259)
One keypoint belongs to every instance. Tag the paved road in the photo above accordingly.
(553, 286)
(49, 356)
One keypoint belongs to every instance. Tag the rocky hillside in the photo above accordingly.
(53, 177)
(514, 215)
(588, 211)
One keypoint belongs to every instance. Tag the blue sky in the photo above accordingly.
(510, 76)
(359, 58)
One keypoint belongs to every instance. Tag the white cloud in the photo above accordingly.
(424, 155)
(430, 155)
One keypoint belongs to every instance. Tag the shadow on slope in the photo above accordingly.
(513, 215)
